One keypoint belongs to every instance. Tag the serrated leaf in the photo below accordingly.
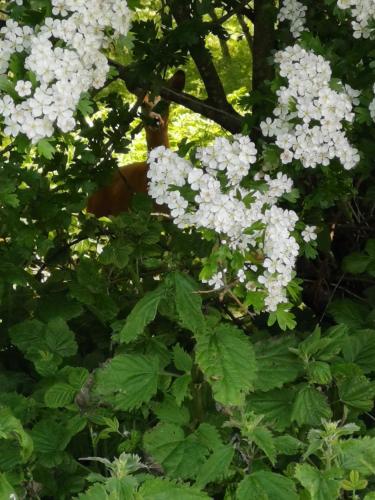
(128, 380)
(60, 339)
(320, 484)
(59, 395)
(180, 456)
(358, 455)
(265, 485)
(188, 304)
(352, 314)
(319, 372)
(357, 392)
(142, 314)
(182, 359)
(227, 360)
(46, 149)
(287, 445)
(263, 438)
(360, 349)
(51, 436)
(276, 364)
(276, 406)
(162, 489)
(168, 411)
(180, 388)
(216, 466)
(310, 407)
(12, 429)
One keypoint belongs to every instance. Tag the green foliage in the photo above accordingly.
(124, 378)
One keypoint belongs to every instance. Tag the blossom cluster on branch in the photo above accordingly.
(63, 59)
(294, 12)
(246, 220)
(309, 119)
(363, 12)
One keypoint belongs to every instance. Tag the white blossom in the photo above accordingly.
(363, 12)
(310, 115)
(65, 55)
(221, 204)
(294, 12)
(309, 233)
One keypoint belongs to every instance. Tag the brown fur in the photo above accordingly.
(117, 196)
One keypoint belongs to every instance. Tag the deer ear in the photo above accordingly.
(177, 82)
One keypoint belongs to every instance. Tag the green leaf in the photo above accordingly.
(319, 372)
(227, 360)
(287, 445)
(276, 406)
(6, 489)
(180, 388)
(360, 349)
(180, 457)
(59, 395)
(265, 485)
(352, 314)
(359, 455)
(188, 304)
(356, 263)
(12, 429)
(142, 314)
(276, 364)
(162, 489)
(358, 392)
(181, 359)
(310, 407)
(46, 149)
(28, 335)
(128, 380)
(263, 438)
(216, 466)
(51, 436)
(168, 411)
(320, 484)
(60, 339)
(284, 318)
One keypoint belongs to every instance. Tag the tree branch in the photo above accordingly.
(236, 10)
(229, 120)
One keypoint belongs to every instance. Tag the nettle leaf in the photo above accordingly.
(276, 406)
(168, 411)
(142, 314)
(216, 466)
(51, 436)
(265, 485)
(310, 407)
(287, 445)
(276, 364)
(162, 489)
(128, 380)
(320, 484)
(188, 303)
(180, 456)
(180, 388)
(319, 372)
(263, 438)
(357, 392)
(182, 359)
(359, 455)
(227, 360)
(360, 349)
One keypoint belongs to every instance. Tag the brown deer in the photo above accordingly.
(130, 179)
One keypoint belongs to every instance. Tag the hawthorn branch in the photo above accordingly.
(236, 10)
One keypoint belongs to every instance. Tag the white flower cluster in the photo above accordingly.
(246, 220)
(372, 105)
(64, 55)
(308, 123)
(363, 12)
(294, 12)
